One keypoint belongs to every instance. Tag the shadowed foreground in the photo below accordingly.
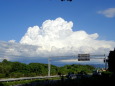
(83, 81)
(97, 80)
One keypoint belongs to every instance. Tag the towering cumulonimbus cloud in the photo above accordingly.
(54, 38)
(58, 37)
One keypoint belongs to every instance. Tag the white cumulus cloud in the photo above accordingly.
(110, 12)
(12, 41)
(57, 36)
(54, 38)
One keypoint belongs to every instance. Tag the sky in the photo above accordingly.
(53, 27)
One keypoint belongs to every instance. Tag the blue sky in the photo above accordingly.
(17, 15)
(93, 28)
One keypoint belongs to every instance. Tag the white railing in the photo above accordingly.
(26, 78)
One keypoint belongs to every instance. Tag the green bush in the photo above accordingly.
(2, 75)
(16, 74)
(107, 74)
(32, 74)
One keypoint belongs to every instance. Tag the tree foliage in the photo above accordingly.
(18, 69)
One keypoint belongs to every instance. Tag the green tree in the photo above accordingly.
(17, 66)
(35, 68)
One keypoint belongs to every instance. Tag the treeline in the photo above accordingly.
(10, 69)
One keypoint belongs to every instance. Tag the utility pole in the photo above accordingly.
(49, 66)
(106, 60)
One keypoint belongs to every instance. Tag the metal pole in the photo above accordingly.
(49, 66)
(106, 63)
